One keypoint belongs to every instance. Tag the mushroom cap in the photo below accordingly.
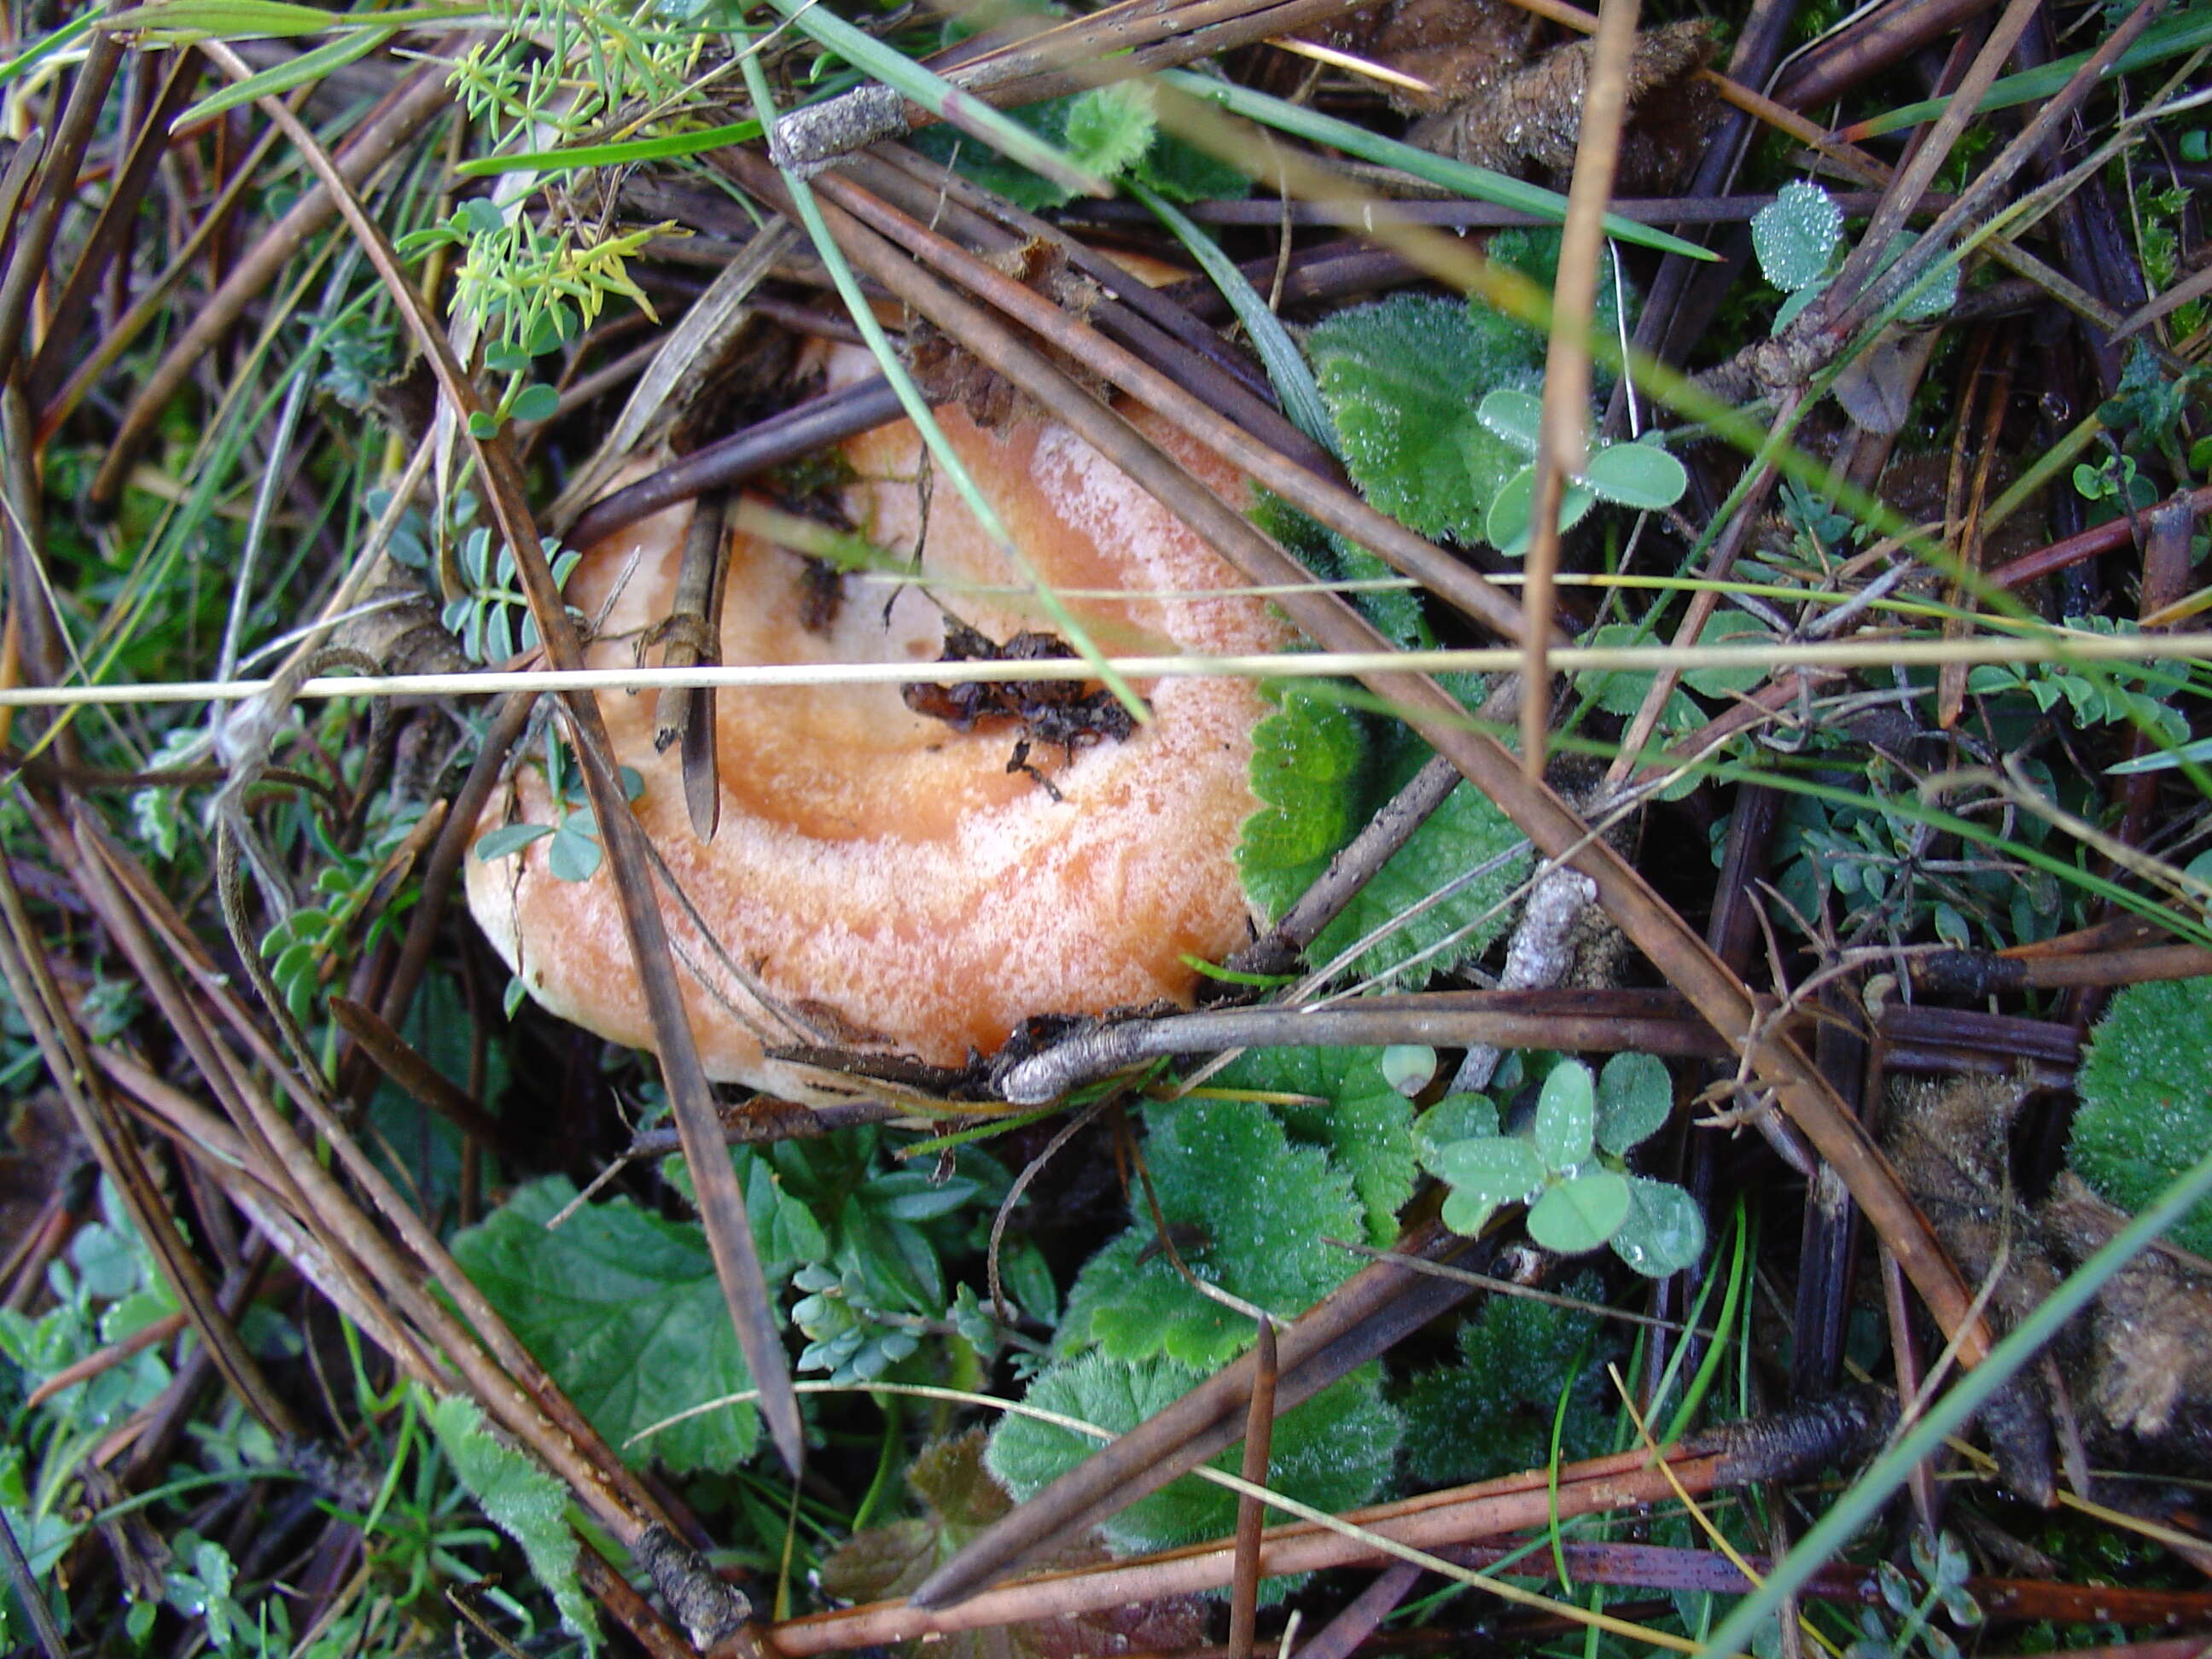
(881, 875)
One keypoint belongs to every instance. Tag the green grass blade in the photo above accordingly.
(255, 20)
(2162, 40)
(62, 39)
(307, 67)
(1478, 183)
(1287, 369)
(939, 96)
(621, 154)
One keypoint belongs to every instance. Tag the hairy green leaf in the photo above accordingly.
(1334, 1452)
(1796, 234)
(1246, 1209)
(622, 1308)
(1492, 1413)
(524, 1501)
(2146, 1090)
(1365, 1126)
(1320, 779)
(1403, 379)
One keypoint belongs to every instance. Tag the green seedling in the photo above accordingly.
(1571, 1168)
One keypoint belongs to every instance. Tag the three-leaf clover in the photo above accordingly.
(1571, 1167)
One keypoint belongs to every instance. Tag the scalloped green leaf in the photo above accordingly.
(2145, 1083)
(1580, 1214)
(1491, 1414)
(524, 1501)
(623, 1310)
(1317, 796)
(1334, 1452)
(1402, 380)
(1366, 1128)
(1246, 1207)
(1108, 127)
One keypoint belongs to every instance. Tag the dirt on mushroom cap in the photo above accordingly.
(880, 872)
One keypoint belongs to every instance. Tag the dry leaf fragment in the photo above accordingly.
(1529, 121)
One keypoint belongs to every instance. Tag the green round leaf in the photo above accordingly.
(1465, 1212)
(1511, 510)
(1796, 234)
(1634, 1098)
(483, 424)
(1637, 475)
(536, 402)
(1567, 1116)
(574, 855)
(1580, 1214)
(481, 215)
(1514, 416)
(1494, 1169)
(509, 838)
(1663, 1232)
(1454, 1118)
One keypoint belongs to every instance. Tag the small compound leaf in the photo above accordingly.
(1635, 1096)
(1567, 1116)
(1467, 1212)
(575, 853)
(524, 1501)
(1493, 1168)
(509, 838)
(1664, 1233)
(1796, 234)
(1580, 1214)
(1638, 475)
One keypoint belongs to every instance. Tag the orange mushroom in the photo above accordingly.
(882, 878)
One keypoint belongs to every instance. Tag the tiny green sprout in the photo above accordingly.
(1571, 1167)
(1638, 475)
(1409, 1067)
(1799, 239)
